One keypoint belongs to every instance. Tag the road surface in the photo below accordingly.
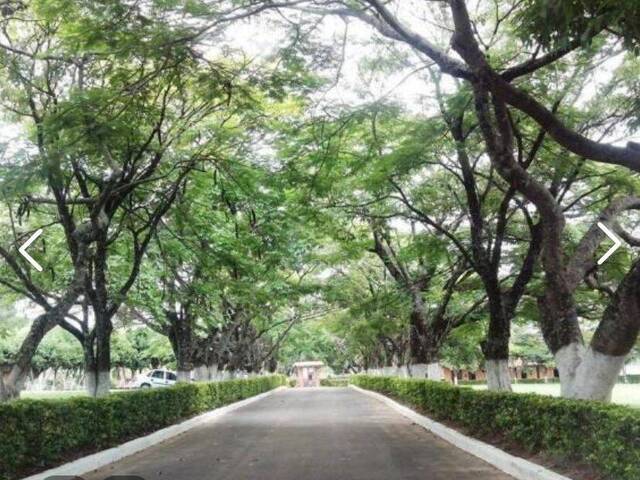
(306, 434)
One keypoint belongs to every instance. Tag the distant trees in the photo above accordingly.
(224, 275)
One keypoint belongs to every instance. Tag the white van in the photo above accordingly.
(156, 378)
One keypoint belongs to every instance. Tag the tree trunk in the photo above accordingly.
(559, 320)
(590, 373)
(424, 342)
(102, 372)
(425, 338)
(561, 329)
(184, 353)
(495, 347)
(98, 383)
(498, 375)
(201, 373)
(568, 359)
(180, 333)
(90, 366)
(596, 376)
(12, 383)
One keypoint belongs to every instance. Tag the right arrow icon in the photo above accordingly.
(616, 243)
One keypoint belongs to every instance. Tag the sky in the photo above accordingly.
(260, 38)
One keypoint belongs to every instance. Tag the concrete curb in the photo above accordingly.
(517, 467)
(111, 455)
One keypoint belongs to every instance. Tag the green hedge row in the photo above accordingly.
(38, 434)
(334, 382)
(605, 436)
(521, 380)
(622, 380)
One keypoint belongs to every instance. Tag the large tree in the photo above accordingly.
(500, 70)
(118, 116)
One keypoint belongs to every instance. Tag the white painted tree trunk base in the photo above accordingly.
(567, 360)
(183, 376)
(586, 374)
(97, 385)
(90, 383)
(498, 375)
(201, 373)
(104, 384)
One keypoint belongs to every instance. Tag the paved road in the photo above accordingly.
(306, 434)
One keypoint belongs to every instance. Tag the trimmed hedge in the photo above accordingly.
(602, 435)
(628, 379)
(334, 382)
(532, 381)
(38, 434)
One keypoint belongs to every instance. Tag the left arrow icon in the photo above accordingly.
(27, 244)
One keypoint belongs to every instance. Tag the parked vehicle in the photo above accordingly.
(155, 379)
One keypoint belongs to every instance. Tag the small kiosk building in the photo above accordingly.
(307, 373)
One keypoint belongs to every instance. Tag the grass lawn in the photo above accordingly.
(624, 394)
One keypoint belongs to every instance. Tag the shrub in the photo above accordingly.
(605, 436)
(532, 381)
(334, 382)
(38, 434)
(621, 380)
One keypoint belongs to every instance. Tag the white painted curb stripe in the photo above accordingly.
(111, 455)
(517, 467)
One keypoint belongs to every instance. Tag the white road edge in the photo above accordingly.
(517, 467)
(115, 454)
